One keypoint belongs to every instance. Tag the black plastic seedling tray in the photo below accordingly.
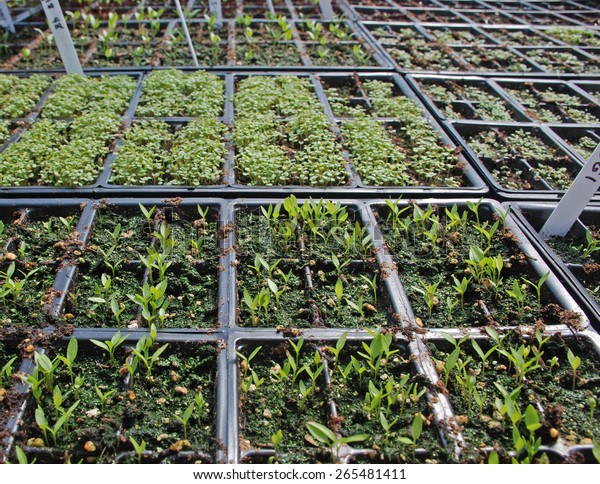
(231, 180)
(575, 272)
(226, 226)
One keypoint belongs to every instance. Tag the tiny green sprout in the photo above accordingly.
(246, 379)
(372, 284)
(111, 345)
(596, 451)
(428, 293)
(22, 456)
(326, 436)
(69, 358)
(339, 293)
(199, 401)
(68, 222)
(538, 286)
(147, 212)
(493, 458)
(6, 371)
(518, 295)
(451, 305)
(592, 245)
(461, 288)
(139, 448)
(575, 362)
(276, 439)
(592, 402)
(387, 425)
(416, 429)
(104, 396)
(502, 215)
(186, 417)
(474, 207)
(339, 345)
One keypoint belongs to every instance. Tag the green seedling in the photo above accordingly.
(104, 396)
(518, 295)
(592, 402)
(538, 286)
(61, 423)
(484, 356)
(522, 361)
(200, 402)
(186, 417)
(111, 345)
(461, 288)
(69, 358)
(428, 292)
(143, 350)
(246, 379)
(474, 207)
(276, 439)
(139, 448)
(575, 362)
(596, 451)
(22, 456)
(416, 429)
(592, 245)
(326, 436)
(339, 345)
(488, 233)
(6, 372)
(387, 425)
(46, 367)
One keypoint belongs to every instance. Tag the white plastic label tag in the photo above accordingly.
(270, 7)
(326, 9)
(6, 20)
(183, 21)
(64, 42)
(575, 199)
(214, 6)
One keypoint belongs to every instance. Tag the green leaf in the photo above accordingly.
(417, 427)
(72, 349)
(321, 433)
(532, 420)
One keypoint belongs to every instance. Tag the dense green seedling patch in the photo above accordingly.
(19, 95)
(407, 151)
(75, 95)
(4, 131)
(175, 93)
(60, 153)
(154, 153)
(282, 136)
(574, 36)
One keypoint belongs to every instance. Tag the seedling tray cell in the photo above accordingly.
(573, 255)
(580, 141)
(468, 98)
(439, 275)
(319, 270)
(562, 60)
(173, 250)
(556, 397)
(518, 35)
(37, 241)
(486, 17)
(519, 160)
(265, 412)
(131, 411)
(552, 101)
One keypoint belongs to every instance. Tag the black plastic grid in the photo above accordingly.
(229, 337)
